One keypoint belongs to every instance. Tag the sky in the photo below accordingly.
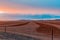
(16, 8)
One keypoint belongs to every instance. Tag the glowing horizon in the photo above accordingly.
(28, 10)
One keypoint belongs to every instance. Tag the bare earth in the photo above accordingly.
(42, 30)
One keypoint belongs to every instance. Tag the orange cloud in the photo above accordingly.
(26, 10)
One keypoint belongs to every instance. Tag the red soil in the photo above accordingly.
(48, 29)
(43, 28)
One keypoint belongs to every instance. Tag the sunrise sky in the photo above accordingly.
(26, 7)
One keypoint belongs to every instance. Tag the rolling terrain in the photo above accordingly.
(41, 30)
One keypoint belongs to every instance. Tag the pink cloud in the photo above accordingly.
(22, 9)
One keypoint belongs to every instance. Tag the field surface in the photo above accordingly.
(30, 30)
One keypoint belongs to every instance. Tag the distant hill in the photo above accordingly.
(30, 17)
